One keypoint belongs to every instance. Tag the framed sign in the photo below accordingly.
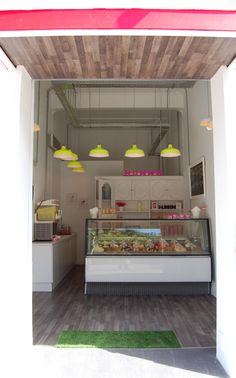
(197, 179)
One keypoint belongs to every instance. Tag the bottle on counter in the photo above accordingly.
(140, 206)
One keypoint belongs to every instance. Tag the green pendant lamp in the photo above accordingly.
(170, 151)
(65, 154)
(75, 156)
(79, 170)
(99, 152)
(74, 164)
(134, 152)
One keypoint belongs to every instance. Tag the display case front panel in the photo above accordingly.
(148, 269)
(144, 237)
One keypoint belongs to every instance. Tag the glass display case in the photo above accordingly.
(147, 237)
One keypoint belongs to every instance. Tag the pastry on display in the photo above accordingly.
(179, 247)
(97, 249)
(190, 246)
(124, 241)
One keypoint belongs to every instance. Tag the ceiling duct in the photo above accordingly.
(53, 142)
(67, 96)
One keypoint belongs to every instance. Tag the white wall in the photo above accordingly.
(83, 186)
(16, 118)
(40, 118)
(201, 145)
(46, 178)
(224, 119)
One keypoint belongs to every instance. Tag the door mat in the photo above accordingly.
(117, 339)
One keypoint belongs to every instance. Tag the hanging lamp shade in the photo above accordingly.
(79, 170)
(75, 156)
(207, 122)
(65, 154)
(74, 164)
(134, 152)
(36, 127)
(99, 151)
(170, 151)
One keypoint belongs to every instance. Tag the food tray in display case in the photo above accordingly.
(143, 237)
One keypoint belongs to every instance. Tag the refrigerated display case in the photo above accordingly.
(149, 251)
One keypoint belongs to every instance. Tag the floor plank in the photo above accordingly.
(193, 318)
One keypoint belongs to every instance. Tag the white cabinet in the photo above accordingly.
(104, 194)
(131, 190)
(167, 189)
(140, 190)
(52, 261)
(123, 189)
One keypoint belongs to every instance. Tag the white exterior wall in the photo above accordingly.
(224, 133)
(201, 145)
(16, 118)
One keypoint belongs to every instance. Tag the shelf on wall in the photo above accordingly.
(132, 211)
(166, 210)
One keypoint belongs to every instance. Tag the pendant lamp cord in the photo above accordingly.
(160, 133)
(38, 105)
(167, 104)
(90, 107)
(79, 104)
(187, 119)
(136, 131)
(208, 100)
(67, 134)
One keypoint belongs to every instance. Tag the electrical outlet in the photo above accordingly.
(83, 203)
(71, 198)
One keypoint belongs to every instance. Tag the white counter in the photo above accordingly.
(52, 260)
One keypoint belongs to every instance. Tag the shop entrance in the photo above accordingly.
(155, 114)
(223, 89)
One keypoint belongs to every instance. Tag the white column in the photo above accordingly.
(223, 86)
(16, 99)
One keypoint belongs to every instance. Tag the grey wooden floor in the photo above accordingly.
(192, 318)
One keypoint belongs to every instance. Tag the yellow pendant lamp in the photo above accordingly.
(65, 154)
(99, 152)
(134, 152)
(74, 164)
(170, 151)
(79, 170)
(36, 127)
(207, 122)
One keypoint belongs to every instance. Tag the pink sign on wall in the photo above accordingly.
(143, 172)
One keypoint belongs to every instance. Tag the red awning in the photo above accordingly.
(118, 19)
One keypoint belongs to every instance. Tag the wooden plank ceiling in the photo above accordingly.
(120, 57)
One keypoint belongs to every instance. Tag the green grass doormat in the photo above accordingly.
(117, 339)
